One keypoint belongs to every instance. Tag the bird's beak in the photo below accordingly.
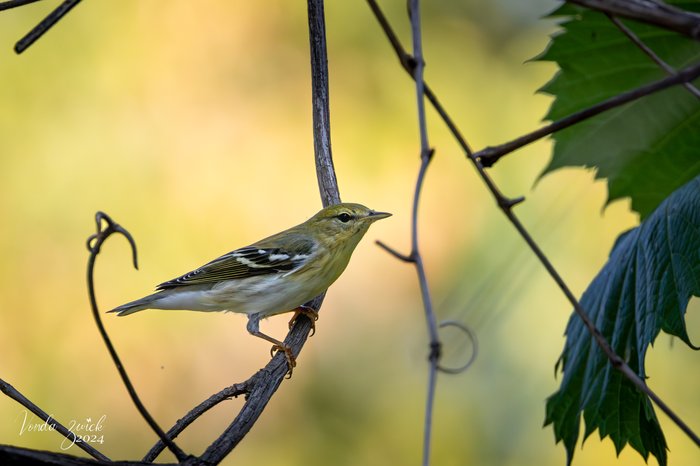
(377, 215)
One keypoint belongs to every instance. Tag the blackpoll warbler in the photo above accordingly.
(272, 276)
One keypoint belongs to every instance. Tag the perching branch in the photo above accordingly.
(260, 388)
(507, 205)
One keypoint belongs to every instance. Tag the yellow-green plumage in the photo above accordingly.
(274, 275)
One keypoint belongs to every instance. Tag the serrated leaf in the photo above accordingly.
(644, 288)
(645, 149)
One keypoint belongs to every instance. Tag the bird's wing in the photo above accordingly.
(246, 262)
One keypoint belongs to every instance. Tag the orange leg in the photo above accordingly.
(312, 314)
(254, 329)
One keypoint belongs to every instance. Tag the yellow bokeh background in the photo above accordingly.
(190, 124)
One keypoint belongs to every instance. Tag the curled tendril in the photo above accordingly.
(472, 337)
(94, 241)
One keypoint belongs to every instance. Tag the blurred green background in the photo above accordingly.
(189, 123)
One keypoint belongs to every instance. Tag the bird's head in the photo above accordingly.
(346, 221)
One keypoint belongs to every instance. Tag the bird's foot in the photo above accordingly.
(311, 313)
(291, 360)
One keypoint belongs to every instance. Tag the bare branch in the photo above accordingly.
(18, 456)
(258, 390)
(227, 393)
(325, 172)
(12, 392)
(649, 11)
(394, 252)
(490, 155)
(15, 3)
(94, 244)
(46, 24)
(261, 391)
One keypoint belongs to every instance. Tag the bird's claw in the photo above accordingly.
(307, 311)
(291, 360)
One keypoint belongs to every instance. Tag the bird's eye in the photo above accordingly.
(344, 217)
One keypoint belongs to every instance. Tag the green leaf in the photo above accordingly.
(644, 288)
(646, 149)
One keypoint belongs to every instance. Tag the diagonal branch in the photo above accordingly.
(490, 155)
(15, 3)
(649, 11)
(507, 205)
(227, 393)
(45, 24)
(12, 392)
(650, 53)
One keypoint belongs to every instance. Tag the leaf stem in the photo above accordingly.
(650, 53)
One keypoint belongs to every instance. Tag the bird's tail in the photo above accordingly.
(135, 306)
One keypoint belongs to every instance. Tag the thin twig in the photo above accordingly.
(94, 244)
(415, 66)
(227, 393)
(15, 3)
(12, 392)
(267, 382)
(650, 53)
(394, 252)
(435, 345)
(320, 105)
(649, 11)
(507, 205)
(45, 24)
(491, 155)
(407, 61)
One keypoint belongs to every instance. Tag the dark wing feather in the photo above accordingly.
(243, 263)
